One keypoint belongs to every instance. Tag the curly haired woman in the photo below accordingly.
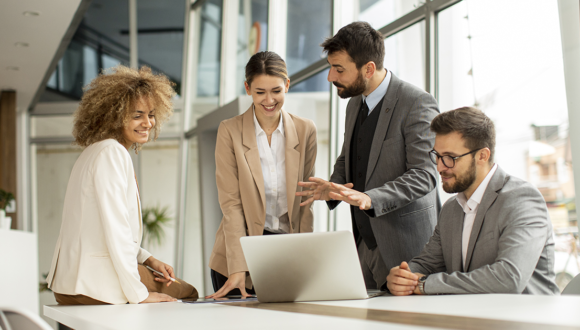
(98, 258)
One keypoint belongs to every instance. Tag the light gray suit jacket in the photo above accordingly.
(511, 248)
(401, 179)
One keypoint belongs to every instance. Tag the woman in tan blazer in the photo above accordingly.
(98, 257)
(261, 155)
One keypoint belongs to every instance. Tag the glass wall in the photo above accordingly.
(252, 35)
(519, 84)
(208, 60)
(405, 54)
(379, 13)
(309, 24)
(160, 26)
(100, 42)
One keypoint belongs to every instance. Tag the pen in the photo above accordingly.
(160, 273)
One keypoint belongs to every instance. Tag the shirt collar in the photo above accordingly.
(258, 128)
(377, 95)
(477, 196)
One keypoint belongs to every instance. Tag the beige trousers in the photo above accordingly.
(175, 290)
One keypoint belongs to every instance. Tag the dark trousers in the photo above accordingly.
(218, 280)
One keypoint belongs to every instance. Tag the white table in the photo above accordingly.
(413, 312)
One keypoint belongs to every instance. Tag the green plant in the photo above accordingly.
(5, 198)
(154, 220)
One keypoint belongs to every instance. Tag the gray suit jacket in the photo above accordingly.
(511, 248)
(401, 179)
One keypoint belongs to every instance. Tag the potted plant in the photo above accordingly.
(154, 220)
(5, 199)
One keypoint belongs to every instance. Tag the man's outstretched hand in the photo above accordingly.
(319, 189)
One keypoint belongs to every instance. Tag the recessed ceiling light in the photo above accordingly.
(31, 13)
(21, 44)
(12, 68)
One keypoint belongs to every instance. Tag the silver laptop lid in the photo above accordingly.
(304, 267)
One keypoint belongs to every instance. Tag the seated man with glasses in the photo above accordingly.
(494, 236)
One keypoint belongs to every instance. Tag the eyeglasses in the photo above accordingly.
(448, 161)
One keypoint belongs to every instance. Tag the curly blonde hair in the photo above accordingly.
(110, 99)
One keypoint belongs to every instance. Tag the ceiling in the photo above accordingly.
(29, 43)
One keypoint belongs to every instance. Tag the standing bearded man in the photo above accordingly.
(383, 171)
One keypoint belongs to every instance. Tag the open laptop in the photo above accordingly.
(305, 267)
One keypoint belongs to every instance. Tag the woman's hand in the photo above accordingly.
(155, 297)
(235, 281)
(161, 267)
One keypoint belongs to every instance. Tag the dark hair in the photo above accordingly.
(474, 126)
(360, 41)
(268, 63)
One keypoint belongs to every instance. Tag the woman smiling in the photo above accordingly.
(260, 157)
(98, 257)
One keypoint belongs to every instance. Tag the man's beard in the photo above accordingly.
(463, 182)
(355, 89)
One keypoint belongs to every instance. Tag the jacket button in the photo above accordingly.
(359, 140)
(359, 174)
(358, 157)
(387, 110)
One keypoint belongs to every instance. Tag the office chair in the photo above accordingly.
(19, 319)
(573, 287)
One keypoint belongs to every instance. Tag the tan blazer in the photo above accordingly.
(241, 185)
(99, 245)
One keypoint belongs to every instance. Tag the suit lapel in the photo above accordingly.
(352, 110)
(385, 115)
(489, 196)
(292, 162)
(456, 237)
(253, 154)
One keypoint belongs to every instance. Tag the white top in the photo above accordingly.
(377, 95)
(470, 208)
(273, 160)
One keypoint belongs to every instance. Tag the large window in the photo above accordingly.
(100, 42)
(379, 13)
(252, 35)
(309, 24)
(208, 59)
(160, 37)
(405, 54)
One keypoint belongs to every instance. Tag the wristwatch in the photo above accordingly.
(421, 284)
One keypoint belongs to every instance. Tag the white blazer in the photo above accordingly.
(99, 245)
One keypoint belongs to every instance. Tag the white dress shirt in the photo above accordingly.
(377, 95)
(273, 161)
(470, 208)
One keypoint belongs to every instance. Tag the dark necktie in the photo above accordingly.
(364, 111)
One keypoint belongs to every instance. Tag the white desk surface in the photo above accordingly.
(544, 311)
